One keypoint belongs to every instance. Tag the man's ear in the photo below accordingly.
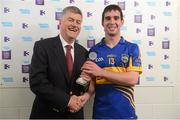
(59, 22)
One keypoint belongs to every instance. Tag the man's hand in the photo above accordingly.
(77, 102)
(84, 98)
(74, 104)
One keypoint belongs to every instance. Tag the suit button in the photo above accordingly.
(71, 93)
(56, 110)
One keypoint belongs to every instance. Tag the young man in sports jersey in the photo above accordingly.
(116, 70)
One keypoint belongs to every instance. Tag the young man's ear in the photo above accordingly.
(122, 21)
(102, 24)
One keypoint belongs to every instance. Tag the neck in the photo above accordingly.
(111, 41)
(68, 39)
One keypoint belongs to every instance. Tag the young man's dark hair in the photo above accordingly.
(110, 8)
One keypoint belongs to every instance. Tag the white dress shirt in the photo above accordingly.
(64, 43)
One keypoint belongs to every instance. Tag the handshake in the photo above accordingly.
(77, 102)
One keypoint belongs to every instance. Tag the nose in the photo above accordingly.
(112, 20)
(74, 23)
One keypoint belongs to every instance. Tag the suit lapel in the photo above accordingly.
(60, 56)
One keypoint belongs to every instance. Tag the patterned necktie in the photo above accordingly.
(69, 59)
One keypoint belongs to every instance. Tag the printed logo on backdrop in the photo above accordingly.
(166, 43)
(89, 14)
(7, 39)
(6, 66)
(137, 18)
(43, 25)
(39, 2)
(166, 57)
(26, 53)
(26, 38)
(25, 25)
(8, 79)
(25, 79)
(25, 67)
(151, 43)
(42, 12)
(6, 53)
(7, 24)
(24, 11)
(151, 30)
(6, 10)
(106, 2)
(58, 15)
(90, 41)
(136, 3)
(166, 29)
(71, 1)
(89, 1)
(122, 5)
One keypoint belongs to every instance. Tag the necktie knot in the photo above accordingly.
(68, 47)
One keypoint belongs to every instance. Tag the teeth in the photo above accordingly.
(74, 29)
(112, 28)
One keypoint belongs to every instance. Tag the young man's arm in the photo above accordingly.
(122, 78)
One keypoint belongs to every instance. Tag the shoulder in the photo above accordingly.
(47, 41)
(80, 47)
(133, 48)
(131, 45)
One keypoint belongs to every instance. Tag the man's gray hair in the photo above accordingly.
(72, 9)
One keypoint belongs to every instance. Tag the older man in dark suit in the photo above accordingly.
(55, 66)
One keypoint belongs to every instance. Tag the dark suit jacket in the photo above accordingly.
(49, 79)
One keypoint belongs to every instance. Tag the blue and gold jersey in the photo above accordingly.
(111, 100)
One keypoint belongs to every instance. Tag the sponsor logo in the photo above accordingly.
(42, 12)
(6, 39)
(71, 1)
(88, 27)
(25, 79)
(151, 32)
(89, 14)
(39, 2)
(7, 24)
(150, 78)
(137, 18)
(6, 10)
(24, 11)
(7, 79)
(25, 25)
(43, 25)
(6, 66)
(26, 53)
(122, 5)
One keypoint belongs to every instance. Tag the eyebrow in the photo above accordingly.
(115, 17)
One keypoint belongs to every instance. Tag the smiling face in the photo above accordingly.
(70, 26)
(112, 23)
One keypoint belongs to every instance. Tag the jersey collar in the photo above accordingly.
(121, 41)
